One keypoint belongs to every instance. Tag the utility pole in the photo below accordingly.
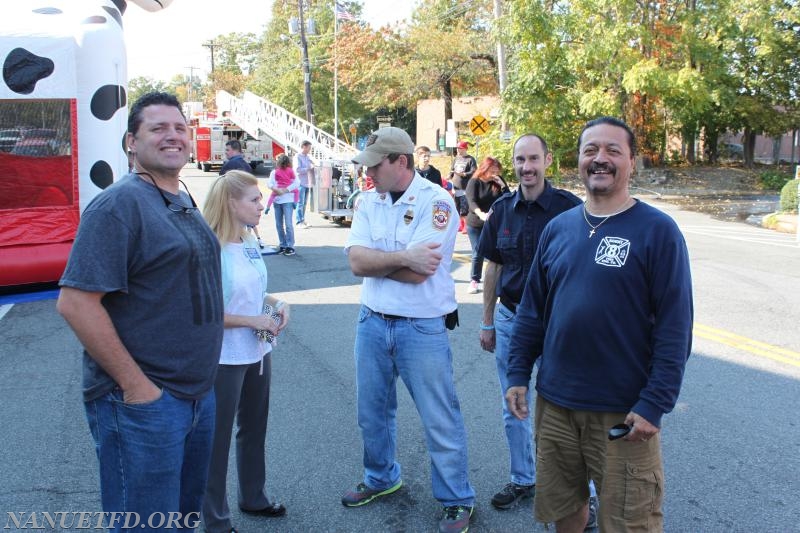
(211, 45)
(306, 67)
(191, 82)
(501, 58)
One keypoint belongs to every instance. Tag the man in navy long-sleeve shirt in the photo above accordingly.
(608, 307)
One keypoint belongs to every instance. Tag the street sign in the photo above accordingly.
(479, 125)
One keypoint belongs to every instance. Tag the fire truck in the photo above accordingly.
(208, 146)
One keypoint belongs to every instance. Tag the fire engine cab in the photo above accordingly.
(208, 145)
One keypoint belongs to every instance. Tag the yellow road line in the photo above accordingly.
(755, 347)
(458, 257)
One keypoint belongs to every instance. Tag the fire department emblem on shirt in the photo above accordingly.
(441, 214)
(612, 252)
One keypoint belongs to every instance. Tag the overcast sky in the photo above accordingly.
(163, 44)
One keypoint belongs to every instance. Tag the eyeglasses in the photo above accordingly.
(172, 206)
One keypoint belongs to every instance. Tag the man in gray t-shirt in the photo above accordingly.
(143, 292)
(304, 168)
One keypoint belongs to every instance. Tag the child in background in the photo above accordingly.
(284, 184)
(272, 195)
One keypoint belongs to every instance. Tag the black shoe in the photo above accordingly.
(511, 494)
(282, 250)
(289, 251)
(273, 510)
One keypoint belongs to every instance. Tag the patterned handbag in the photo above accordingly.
(266, 335)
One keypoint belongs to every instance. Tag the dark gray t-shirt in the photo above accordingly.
(160, 271)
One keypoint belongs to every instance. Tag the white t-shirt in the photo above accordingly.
(240, 346)
(425, 213)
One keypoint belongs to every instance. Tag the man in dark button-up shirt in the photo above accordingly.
(508, 241)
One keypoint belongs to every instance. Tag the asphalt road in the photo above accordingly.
(731, 447)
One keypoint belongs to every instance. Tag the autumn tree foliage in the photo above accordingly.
(690, 67)
(446, 51)
(695, 68)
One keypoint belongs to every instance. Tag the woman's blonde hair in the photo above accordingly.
(217, 210)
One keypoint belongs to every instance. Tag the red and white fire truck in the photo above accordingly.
(208, 145)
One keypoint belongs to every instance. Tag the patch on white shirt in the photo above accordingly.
(441, 214)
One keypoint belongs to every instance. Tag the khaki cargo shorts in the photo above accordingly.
(573, 447)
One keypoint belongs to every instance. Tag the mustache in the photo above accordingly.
(602, 167)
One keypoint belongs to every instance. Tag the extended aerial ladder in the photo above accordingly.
(261, 118)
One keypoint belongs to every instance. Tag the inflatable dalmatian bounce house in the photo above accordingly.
(63, 116)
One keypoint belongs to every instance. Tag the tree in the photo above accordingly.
(235, 60)
(665, 66)
(446, 52)
(764, 61)
(141, 85)
(278, 73)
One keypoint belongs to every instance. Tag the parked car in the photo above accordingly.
(36, 142)
(731, 151)
(9, 138)
(33, 147)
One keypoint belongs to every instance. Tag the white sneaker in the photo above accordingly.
(305, 225)
(260, 243)
(473, 287)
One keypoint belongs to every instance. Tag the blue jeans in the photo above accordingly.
(300, 215)
(519, 433)
(153, 457)
(474, 235)
(283, 223)
(418, 350)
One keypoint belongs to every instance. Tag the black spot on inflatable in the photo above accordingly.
(114, 14)
(48, 11)
(122, 5)
(101, 174)
(22, 70)
(106, 100)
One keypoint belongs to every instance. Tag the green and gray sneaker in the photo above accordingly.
(455, 519)
(362, 494)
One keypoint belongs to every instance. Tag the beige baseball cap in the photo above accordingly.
(383, 142)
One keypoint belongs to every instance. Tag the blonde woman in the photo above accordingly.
(243, 377)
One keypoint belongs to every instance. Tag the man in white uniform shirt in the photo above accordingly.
(401, 242)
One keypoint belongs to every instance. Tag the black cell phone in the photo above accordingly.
(619, 431)
(451, 319)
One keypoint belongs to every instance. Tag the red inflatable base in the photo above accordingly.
(22, 265)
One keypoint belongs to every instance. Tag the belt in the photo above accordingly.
(506, 301)
(387, 316)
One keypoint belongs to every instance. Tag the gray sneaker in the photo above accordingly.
(511, 494)
(362, 494)
(592, 522)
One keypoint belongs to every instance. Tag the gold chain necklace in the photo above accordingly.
(594, 227)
